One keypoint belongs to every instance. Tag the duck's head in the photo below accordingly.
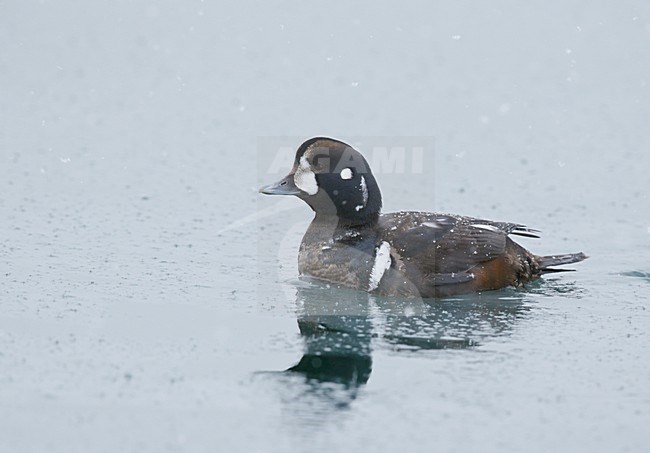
(333, 179)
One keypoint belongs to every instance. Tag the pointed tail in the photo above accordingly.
(545, 262)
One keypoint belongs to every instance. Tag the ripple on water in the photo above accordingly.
(637, 274)
(555, 287)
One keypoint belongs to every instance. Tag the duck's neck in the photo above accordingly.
(335, 222)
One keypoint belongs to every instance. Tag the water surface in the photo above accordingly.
(149, 295)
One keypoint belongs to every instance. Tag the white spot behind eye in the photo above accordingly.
(304, 178)
(380, 266)
(346, 173)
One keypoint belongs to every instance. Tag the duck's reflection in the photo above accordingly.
(336, 356)
(337, 328)
(340, 328)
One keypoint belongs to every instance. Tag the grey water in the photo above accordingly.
(149, 296)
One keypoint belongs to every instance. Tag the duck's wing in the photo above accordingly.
(446, 247)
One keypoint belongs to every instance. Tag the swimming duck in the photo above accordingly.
(408, 254)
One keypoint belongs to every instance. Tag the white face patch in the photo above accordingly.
(304, 178)
(346, 173)
(381, 265)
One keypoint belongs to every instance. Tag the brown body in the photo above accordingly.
(513, 268)
(431, 255)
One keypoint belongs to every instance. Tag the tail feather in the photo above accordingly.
(545, 262)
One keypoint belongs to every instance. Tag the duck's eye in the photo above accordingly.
(346, 173)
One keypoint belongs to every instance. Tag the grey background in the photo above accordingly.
(146, 289)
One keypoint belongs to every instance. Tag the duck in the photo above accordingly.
(351, 243)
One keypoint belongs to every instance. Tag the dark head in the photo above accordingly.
(333, 179)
